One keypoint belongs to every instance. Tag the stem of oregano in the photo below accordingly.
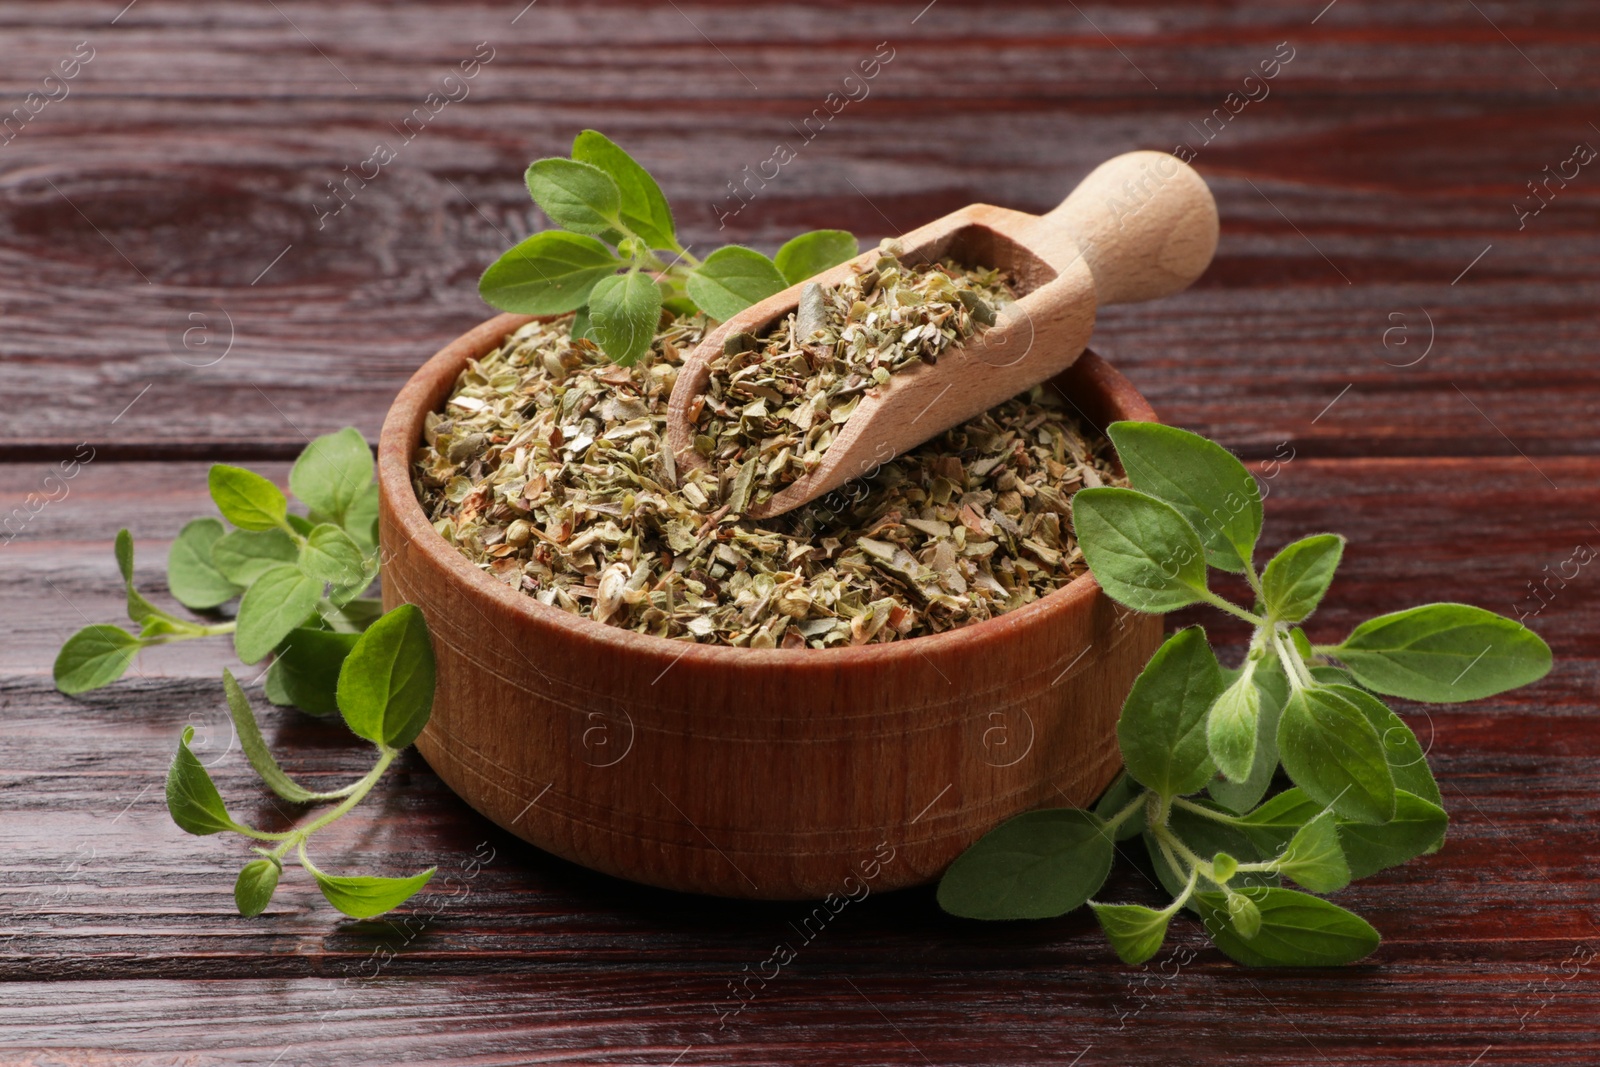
(1231, 608)
(1126, 813)
(353, 794)
(1209, 813)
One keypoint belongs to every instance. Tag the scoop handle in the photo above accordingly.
(1145, 223)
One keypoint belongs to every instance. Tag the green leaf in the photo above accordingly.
(578, 196)
(255, 746)
(191, 576)
(355, 615)
(1329, 675)
(1135, 932)
(386, 684)
(331, 556)
(1314, 858)
(1232, 727)
(139, 609)
(333, 472)
(1297, 930)
(95, 656)
(246, 499)
(364, 897)
(245, 555)
(1272, 690)
(643, 206)
(192, 797)
(1119, 795)
(1162, 731)
(1142, 551)
(1272, 824)
(547, 274)
(1444, 653)
(1212, 489)
(361, 521)
(814, 252)
(1407, 762)
(1418, 827)
(257, 882)
(280, 600)
(733, 278)
(1334, 754)
(1243, 915)
(306, 670)
(1224, 866)
(582, 325)
(1036, 866)
(625, 310)
(1297, 577)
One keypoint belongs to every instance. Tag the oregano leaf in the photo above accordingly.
(1135, 932)
(1035, 866)
(643, 206)
(386, 683)
(305, 672)
(253, 890)
(332, 473)
(330, 555)
(549, 273)
(1162, 730)
(1334, 754)
(192, 797)
(192, 577)
(1232, 727)
(1296, 930)
(1444, 653)
(1296, 578)
(1314, 857)
(733, 278)
(1141, 550)
(1272, 691)
(280, 600)
(246, 499)
(814, 252)
(94, 657)
(1213, 491)
(255, 746)
(242, 556)
(625, 310)
(364, 897)
(578, 196)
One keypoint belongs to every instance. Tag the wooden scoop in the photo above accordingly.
(1140, 226)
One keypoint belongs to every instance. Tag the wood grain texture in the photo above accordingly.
(1367, 199)
(1388, 152)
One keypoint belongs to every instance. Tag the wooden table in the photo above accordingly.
(1417, 353)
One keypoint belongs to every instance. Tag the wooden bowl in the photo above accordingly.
(778, 774)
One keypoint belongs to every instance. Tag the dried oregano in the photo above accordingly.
(547, 468)
(775, 404)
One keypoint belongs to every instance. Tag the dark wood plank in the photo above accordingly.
(821, 1015)
(1356, 198)
(128, 917)
(1387, 155)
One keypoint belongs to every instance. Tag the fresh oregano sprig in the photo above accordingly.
(617, 260)
(1202, 743)
(298, 579)
(385, 694)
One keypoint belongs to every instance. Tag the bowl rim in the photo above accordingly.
(395, 450)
